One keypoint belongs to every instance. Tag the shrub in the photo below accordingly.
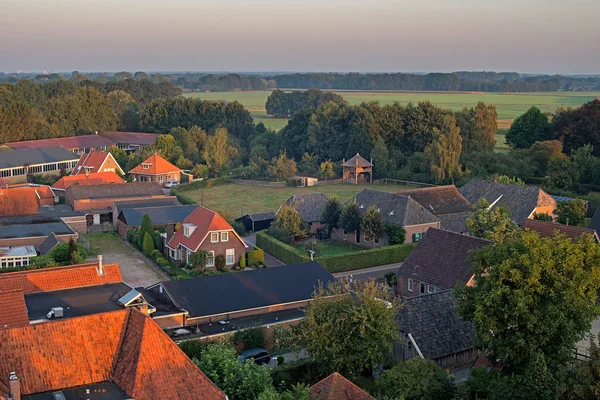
(396, 234)
(156, 254)
(282, 251)
(148, 243)
(256, 256)
(220, 263)
(279, 233)
(280, 360)
(196, 272)
(163, 262)
(146, 227)
(239, 228)
(250, 338)
(43, 261)
(183, 199)
(61, 254)
(302, 371)
(132, 237)
(243, 261)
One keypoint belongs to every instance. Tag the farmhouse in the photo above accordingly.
(131, 141)
(16, 165)
(97, 161)
(438, 262)
(548, 229)
(161, 216)
(309, 206)
(76, 144)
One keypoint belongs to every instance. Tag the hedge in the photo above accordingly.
(256, 256)
(337, 263)
(183, 199)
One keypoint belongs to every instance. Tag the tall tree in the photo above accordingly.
(283, 167)
(218, 151)
(444, 152)
(492, 224)
(326, 170)
(578, 127)
(570, 212)
(289, 219)
(478, 127)
(331, 213)
(351, 217)
(532, 296)
(166, 146)
(528, 128)
(372, 224)
(145, 227)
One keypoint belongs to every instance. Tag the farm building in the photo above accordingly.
(131, 141)
(77, 144)
(257, 222)
(16, 165)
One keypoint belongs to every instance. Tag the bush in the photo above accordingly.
(239, 228)
(148, 243)
(391, 278)
(132, 237)
(183, 199)
(156, 254)
(163, 262)
(302, 371)
(42, 262)
(281, 251)
(220, 263)
(61, 254)
(196, 273)
(280, 233)
(280, 360)
(250, 338)
(243, 261)
(256, 256)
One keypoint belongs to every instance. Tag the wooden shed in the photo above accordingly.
(357, 170)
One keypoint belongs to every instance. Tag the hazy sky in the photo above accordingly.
(549, 36)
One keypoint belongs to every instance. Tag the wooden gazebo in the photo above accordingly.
(356, 169)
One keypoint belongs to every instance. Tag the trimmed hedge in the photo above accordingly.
(256, 256)
(183, 199)
(338, 263)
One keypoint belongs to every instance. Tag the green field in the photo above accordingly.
(237, 200)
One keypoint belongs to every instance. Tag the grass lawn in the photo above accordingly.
(237, 200)
(330, 247)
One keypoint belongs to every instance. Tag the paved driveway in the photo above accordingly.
(269, 259)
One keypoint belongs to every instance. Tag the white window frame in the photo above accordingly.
(224, 236)
(213, 235)
(430, 289)
(160, 179)
(229, 253)
(417, 236)
(410, 285)
(209, 257)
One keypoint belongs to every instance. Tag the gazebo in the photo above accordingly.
(356, 169)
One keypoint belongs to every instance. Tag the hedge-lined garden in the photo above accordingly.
(336, 263)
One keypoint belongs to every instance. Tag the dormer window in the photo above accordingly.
(391, 212)
(188, 229)
(362, 206)
(146, 165)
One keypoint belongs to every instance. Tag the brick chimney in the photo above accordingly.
(14, 387)
(170, 231)
(100, 266)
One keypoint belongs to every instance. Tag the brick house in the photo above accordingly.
(156, 169)
(521, 201)
(206, 230)
(310, 207)
(23, 201)
(395, 209)
(438, 262)
(95, 162)
(33, 232)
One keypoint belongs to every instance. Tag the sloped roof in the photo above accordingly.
(336, 387)
(73, 142)
(435, 326)
(440, 200)
(41, 191)
(158, 215)
(115, 191)
(309, 205)
(18, 158)
(97, 178)
(34, 229)
(48, 244)
(595, 222)
(206, 221)
(156, 202)
(456, 222)
(259, 216)
(137, 138)
(48, 279)
(247, 289)
(521, 201)
(124, 346)
(93, 162)
(157, 165)
(357, 161)
(395, 208)
(14, 310)
(441, 258)
(547, 229)
(17, 202)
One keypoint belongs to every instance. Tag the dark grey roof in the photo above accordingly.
(48, 244)
(456, 222)
(18, 158)
(161, 215)
(160, 201)
(34, 230)
(440, 200)
(261, 217)
(521, 201)
(309, 205)
(114, 191)
(441, 258)
(245, 290)
(101, 390)
(434, 324)
(395, 208)
(595, 222)
(77, 302)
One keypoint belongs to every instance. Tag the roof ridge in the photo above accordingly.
(59, 268)
(123, 334)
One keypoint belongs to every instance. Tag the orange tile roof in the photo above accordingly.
(42, 191)
(48, 279)
(206, 221)
(158, 165)
(91, 179)
(14, 310)
(336, 387)
(125, 346)
(95, 160)
(18, 202)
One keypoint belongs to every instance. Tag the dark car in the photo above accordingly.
(259, 356)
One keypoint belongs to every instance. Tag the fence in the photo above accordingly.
(388, 181)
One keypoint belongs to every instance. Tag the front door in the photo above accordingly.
(358, 236)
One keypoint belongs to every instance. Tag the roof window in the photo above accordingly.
(146, 165)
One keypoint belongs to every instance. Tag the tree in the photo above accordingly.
(396, 234)
(148, 244)
(218, 152)
(331, 213)
(145, 227)
(444, 152)
(351, 217)
(166, 146)
(528, 128)
(239, 380)
(372, 224)
(561, 174)
(586, 165)
(282, 167)
(65, 254)
(579, 127)
(570, 212)
(351, 332)
(120, 156)
(326, 170)
(514, 180)
(542, 217)
(382, 159)
(541, 154)
(220, 263)
(478, 127)
(532, 296)
(198, 258)
(587, 383)
(492, 224)
(289, 219)
(416, 379)
(309, 164)
(200, 171)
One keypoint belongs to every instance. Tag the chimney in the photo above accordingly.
(170, 231)
(100, 266)
(14, 387)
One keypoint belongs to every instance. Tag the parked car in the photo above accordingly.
(259, 356)
(171, 184)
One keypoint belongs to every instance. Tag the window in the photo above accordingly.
(210, 259)
(146, 165)
(345, 232)
(109, 164)
(224, 236)
(5, 172)
(376, 240)
(422, 288)
(230, 256)
(160, 179)
(430, 289)
(417, 236)
(410, 285)
(214, 237)
(174, 254)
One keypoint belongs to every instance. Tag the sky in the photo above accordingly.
(529, 36)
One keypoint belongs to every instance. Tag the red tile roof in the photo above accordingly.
(136, 138)
(42, 191)
(73, 142)
(94, 162)
(336, 387)
(206, 221)
(48, 279)
(124, 346)
(14, 310)
(158, 165)
(91, 179)
(18, 202)
(547, 229)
